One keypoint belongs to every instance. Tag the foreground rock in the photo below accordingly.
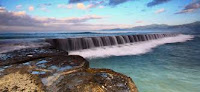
(60, 73)
(93, 80)
(20, 81)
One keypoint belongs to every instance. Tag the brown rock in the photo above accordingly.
(18, 81)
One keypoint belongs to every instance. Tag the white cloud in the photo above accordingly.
(101, 6)
(160, 11)
(140, 21)
(18, 6)
(68, 6)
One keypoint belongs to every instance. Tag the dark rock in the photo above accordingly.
(24, 55)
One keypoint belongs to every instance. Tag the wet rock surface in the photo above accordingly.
(24, 55)
(59, 73)
(93, 80)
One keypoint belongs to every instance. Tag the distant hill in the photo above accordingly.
(194, 27)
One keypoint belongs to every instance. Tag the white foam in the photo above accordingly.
(20, 45)
(131, 48)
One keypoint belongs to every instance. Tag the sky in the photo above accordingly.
(91, 15)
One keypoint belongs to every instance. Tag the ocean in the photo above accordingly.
(169, 64)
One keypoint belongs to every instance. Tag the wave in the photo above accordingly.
(137, 48)
(17, 44)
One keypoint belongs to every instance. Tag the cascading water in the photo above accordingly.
(72, 44)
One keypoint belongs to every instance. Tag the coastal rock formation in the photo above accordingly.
(20, 82)
(60, 73)
(24, 55)
(94, 80)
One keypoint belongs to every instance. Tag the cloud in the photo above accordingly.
(160, 11)
(77, 1)
(117, 2)
(62, 28)
(95, 4)
(107, 2)
(140, 21)
(17, 19)
(2, 9)
(21, 21)
(18, 6)
(190, 7)
(31, 8)
(101, 6)
(156, 2)
(69, 20)
(45, 4)
(81, 6)
(19, 13)
(67, 6)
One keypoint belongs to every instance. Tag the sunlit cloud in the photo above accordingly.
(31, 8)
(19, 13)
(160, 11)
(81, 6)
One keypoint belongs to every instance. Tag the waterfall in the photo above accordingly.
(71, 44)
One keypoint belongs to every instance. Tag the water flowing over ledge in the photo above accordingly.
(73, 44)
(136, 48)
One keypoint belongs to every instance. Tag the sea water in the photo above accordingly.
(164, 65)
(172, 67)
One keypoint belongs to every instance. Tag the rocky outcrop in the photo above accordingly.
(94, 80)
(24, 55)
(60, 73)
(20, 82)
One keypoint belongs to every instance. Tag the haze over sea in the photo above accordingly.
(164, 65)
